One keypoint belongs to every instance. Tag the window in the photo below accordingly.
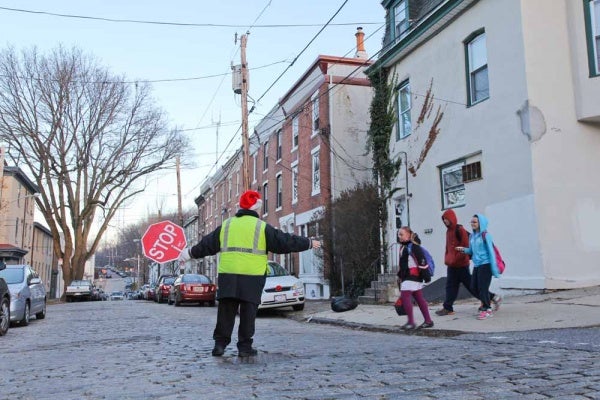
(471, 172)
(279, 144)
(477, 82)
(279, 200)
(265, 198)
(254, 168)
(316, 172)
(592, 27)
(237, 184)
(315, 114)
(294, 133)
(294, 182)
(230, 188)
(404, 123)
(453, 187)
(265, 156)
(400, 22)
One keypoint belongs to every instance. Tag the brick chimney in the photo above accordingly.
(360, 44)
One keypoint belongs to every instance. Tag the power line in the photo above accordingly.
(303, 50)
(167, 23)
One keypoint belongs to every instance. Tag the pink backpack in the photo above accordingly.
(499, 261)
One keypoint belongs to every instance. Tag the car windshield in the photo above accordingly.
(117, 293)
(274, 269)
(168, 281)
(195, 278)
(13, 275)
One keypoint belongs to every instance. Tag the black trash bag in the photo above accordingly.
(343, 303)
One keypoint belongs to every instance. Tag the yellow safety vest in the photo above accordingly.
(243, 246)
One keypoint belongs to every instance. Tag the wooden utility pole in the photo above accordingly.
(179, 210)
(244, 100)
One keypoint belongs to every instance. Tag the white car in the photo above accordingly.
(117, 296)
(281, 289)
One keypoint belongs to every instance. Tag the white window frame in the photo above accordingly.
(279, 191)
(477, 66)
(315, 171)
(404, 127)
(265, 148)
(279, 139)
(452, 187)
(294, 186)
(254, 158)
(315, 114)
(265, 198)
(295, 134)
(237, 184)
(400, 28)
(230, 188)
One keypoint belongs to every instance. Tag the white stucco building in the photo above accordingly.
(499, 113)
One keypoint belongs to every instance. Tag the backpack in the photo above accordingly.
(457, 233)
(428, 258)
(499, 261)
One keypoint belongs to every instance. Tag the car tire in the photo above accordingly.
(298, 307)
(4, 316)
(26, 315)
(211, 303)
(169, 301)
(41, 314)
(177, 301)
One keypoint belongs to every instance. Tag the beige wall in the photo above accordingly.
(567, 195)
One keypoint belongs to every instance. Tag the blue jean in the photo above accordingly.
(480, 284)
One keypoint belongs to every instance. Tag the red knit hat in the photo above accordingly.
(250, 200)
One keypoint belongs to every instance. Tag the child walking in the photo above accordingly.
(481, 251)
(412, 273)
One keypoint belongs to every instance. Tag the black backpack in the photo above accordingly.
(457, 233)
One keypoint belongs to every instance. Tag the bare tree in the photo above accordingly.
(89, 139)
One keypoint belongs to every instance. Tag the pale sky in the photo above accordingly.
(144, 51)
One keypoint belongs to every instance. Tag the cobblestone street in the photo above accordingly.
(144, 350)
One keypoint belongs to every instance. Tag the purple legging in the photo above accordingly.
(408, 307)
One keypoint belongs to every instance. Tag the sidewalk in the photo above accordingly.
(573, 308)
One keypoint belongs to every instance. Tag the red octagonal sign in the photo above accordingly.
(163, 241)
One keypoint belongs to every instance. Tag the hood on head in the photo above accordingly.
(450, 215)
(483, 222)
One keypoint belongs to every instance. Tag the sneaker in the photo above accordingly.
(496, 301)
(442, 312)
(485, 315)
(426, 325)
(408, 327)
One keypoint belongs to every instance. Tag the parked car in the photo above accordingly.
(79, 290)
(117, 296)
(27, 293)
(150, 292)
(4, 304)
(163, 287)
(189, 288)
(281, 289)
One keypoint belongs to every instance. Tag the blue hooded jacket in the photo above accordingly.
(482, 251)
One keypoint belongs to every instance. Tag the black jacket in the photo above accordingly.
(248, 287)
(404, 272)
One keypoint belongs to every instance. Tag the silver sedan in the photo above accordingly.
(27, 293)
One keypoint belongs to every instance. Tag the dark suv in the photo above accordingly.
(163, 287)
(4, 304)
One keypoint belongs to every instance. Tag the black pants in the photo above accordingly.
(226, 320)
(480, 284)
(454, 277)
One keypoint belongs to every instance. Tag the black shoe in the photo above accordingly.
(426, 325)
(408, 327)
(218, 350)
(247, 353)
